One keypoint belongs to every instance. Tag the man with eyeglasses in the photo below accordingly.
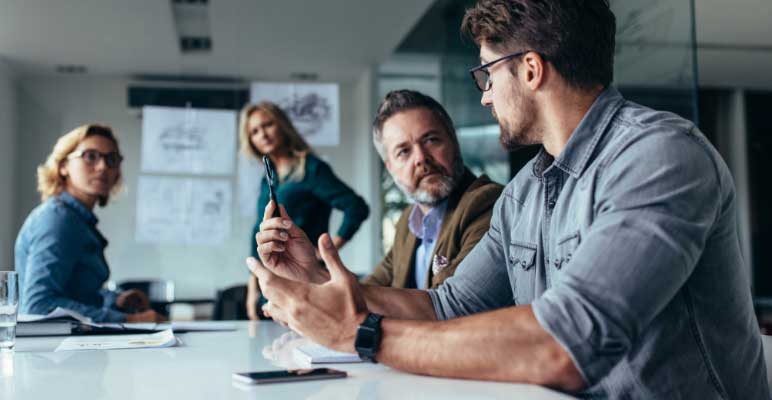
(612, 265)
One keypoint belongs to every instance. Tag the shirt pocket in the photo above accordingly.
(522, 269)
(565, 249)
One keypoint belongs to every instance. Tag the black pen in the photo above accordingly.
(269, 174)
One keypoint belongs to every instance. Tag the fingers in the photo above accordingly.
(267, 250)
(268, 212)
(275, 288)
(268, 236)
(283, 212)
(275, 312)
(331, 258)
(267, 309)
(269, 222)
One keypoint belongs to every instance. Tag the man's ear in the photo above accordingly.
(533, 69)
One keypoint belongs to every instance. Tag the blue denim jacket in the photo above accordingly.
(60, 260)
(626, 247)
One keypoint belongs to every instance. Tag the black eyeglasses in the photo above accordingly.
(112, 159)
(270, 173)
(482, 77)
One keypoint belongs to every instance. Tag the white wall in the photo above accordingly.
(7, 158)
(52, 106)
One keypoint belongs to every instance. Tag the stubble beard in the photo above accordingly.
(521, 133)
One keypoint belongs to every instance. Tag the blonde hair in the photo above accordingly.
(50, 180)
(294, 144)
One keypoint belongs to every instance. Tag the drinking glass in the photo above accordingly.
(9, 302)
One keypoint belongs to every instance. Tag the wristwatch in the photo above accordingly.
(369, 337)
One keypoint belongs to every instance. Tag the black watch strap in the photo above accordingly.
(369, 337)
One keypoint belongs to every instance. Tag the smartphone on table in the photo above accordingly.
(292, 375)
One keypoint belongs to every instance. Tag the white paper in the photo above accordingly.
(314, 108)
(109, 342)
(318, 354)
(183, 210)
(58, 312)
(251, 172)
(191, 326)
(188, 140)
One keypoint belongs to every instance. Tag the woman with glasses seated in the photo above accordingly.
(304, 184)
(59, 250)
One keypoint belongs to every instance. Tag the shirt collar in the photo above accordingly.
(81, 210)
(427, 226)
(575, 156)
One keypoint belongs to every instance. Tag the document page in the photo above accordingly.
(160, 339)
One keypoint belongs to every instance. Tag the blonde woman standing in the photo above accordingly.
(305, 185)
(59, 250)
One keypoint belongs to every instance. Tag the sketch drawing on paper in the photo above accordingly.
(181, 137)
(183, 210)
(308, 112)
(212, 206)
(312, 107)
(188, 141)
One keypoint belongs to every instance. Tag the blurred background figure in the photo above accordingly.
(305, 185)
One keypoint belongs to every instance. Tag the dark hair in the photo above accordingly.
(576, 36)
(402, 100)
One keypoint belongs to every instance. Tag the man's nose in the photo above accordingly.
(419, 156)
(485, 99)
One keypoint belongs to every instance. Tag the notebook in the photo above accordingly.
(318, 354)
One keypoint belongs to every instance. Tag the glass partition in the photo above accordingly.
(654, 66)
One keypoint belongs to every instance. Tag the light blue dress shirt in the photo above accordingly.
(427, 229)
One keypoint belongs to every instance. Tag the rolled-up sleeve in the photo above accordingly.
(657, 200)
(481, 282)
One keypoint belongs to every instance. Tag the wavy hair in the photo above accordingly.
(50, 180)
(292, 141)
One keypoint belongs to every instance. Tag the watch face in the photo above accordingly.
(365, 340)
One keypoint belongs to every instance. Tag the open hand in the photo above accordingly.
(328, 313)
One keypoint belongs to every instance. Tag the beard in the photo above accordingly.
(429, 194)
(517, 134)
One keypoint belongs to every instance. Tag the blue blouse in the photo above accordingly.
(60, 260)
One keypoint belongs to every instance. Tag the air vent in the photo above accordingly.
(304, 76)
(191, 21)
(71, 69)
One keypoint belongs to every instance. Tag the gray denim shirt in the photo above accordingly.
(627, 249)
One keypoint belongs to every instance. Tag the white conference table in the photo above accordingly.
(201, 368)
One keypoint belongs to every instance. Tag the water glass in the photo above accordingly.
(9, 302)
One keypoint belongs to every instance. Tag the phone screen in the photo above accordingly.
(291, 375)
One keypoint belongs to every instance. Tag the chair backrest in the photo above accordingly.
(157, 291)
(231, 304)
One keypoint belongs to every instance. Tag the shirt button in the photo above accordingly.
(551, 204)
